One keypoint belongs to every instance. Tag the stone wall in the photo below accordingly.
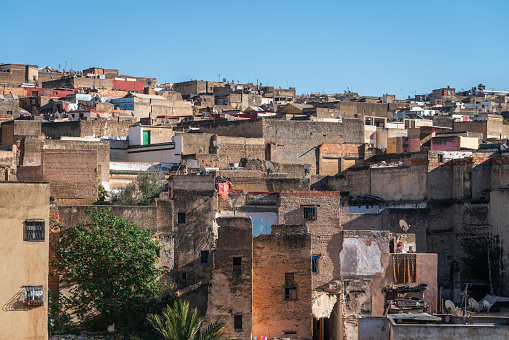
(286, 250)
(231, 289)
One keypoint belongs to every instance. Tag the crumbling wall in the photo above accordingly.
(231, 290)
(286, 250)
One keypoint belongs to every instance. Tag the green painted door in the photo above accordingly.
(146, 137)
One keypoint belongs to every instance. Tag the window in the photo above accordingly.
(34, 231)
(237, 264)
(181, 217)
(204, 257)
(9, 113)
(440, 158)
(237, 322)
(290, 287)
(34, 295)
(315, 267)
(184, 276)
(291, 293)
(309, 212)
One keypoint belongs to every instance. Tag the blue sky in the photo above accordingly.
(371, 47)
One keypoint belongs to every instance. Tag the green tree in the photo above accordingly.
(183, 323)
(141, 191)
(110, 265)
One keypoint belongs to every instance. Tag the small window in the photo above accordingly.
(204, 257)
(315, 264)
(291, 293)
(309, 212)
(290, 279)
(34, 295)
(440, 158)
(9, 113)
(34, 231)
(184, 276)
(181, 217)
(237, 264)
(237, 322)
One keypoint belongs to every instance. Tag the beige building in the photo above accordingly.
(24, 248)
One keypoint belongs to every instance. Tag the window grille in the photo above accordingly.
(237, 264)
(34, 231)
(34, 295)
(309, 212)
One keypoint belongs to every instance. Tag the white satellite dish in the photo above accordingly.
(403, 225)
(203, 171)
(474, 305)
(306, 169)
(201, 149)
(486, 305)
(449, 306)
(269, 166)
(216, 145)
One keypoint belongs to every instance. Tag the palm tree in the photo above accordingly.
(182, 323)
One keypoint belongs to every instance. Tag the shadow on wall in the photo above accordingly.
(15, 303)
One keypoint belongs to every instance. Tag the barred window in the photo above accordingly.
(34, 295)
(33, 231)
(309, 212)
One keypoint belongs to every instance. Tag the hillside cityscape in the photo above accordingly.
(269, 213)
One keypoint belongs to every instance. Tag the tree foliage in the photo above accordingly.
(141, 191)
(183, 323)
(111, 266)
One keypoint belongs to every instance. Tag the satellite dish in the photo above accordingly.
(486, 305)
(216, 145)
(473, 305)
(403, 225)
(306, 169)
(449, 306)
(203, 171)
(269, 166)
(201, 149)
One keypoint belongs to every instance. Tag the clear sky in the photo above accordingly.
(371, 47)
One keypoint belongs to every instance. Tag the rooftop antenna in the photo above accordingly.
(269, 166)
(403, 225)
(449, 306)
(203, 171)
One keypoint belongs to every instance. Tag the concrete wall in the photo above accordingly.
(445, 332)
(24, 262)
(286, 250)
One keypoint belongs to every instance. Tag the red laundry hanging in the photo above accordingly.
(224, 189)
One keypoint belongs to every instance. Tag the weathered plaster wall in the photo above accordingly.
(286, 250)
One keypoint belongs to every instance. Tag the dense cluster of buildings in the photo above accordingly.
(289, 216)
